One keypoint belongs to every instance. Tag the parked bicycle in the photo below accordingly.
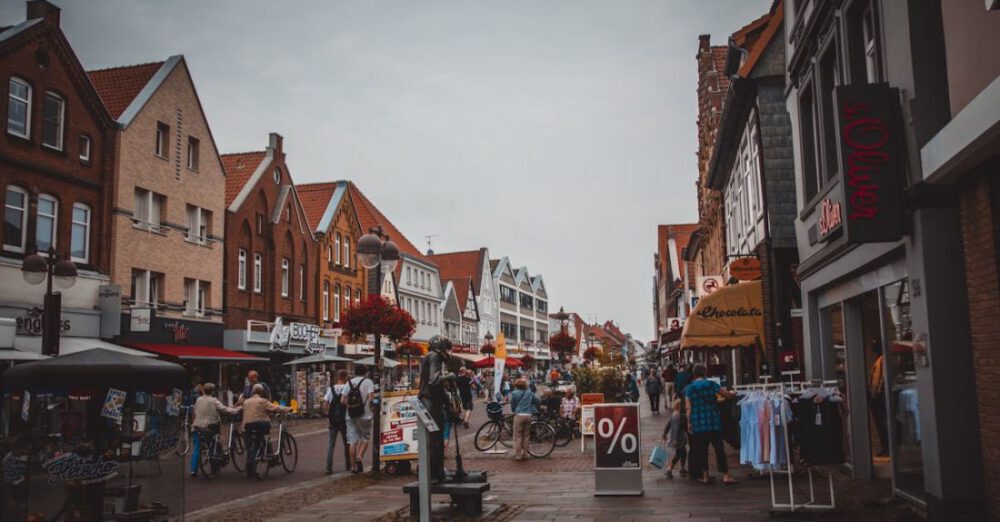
(215, 455)
(285, 453)
(499, 429)
(566, 429)
(184, 442)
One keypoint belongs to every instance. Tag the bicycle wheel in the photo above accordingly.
(183, 443)
(487, 435)
(289, 452)
(507, 433)
(542, 440)
(564, 434)
(237, 453)
(264, 454)
(205, 462)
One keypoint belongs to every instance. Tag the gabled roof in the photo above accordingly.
(461, 286)
(321, 201)
(536, 283)
(756, 36)
(466, 264)
(450, 295)
(502, 265)
(240, 167)
(370, 216)
(119, 87)
(521, 276)
(681, 233)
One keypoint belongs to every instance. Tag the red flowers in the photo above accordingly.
(563, 344)
(592, 353)
(409, 349)
(487, 349)
(377, 314)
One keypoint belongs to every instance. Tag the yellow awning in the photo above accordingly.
(730, 317)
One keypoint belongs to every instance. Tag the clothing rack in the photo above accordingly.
(792, 506)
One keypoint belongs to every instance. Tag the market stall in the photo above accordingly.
(311, 376)
(90, 436)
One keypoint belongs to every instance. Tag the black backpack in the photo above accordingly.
(336, 411)
(355, 401)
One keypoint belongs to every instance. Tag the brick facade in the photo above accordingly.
(710, 256)
(178, 256)
(40, 56)
(265, 218)
(980, 209)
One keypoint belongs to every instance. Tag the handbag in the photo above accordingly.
(658, 458)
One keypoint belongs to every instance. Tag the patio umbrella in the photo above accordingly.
(318, 358)
(370, 361)
(487, 362)
(97, 368)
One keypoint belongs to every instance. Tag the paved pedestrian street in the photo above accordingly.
(561, 487)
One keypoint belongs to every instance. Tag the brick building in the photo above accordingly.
(169, 207)
(964, 157)
(672, 283)
(271, 258)
(56, 166)
(331, 214)
(751, 167)
(707, 250)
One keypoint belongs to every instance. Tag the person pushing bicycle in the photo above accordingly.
(257, 424)
(206, 423)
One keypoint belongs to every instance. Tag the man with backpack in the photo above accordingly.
(358, 399)
(337, 415)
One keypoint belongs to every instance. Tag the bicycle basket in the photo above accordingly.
(494, 410)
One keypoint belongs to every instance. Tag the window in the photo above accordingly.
(864, 50)
(284, 277)
(409, 281)
(260, 224)
(873, 69)
(329, 253)
(147, 210)
(337, 243)
(241, 271)
(258, 272)
(807, 131)
(146, 288)
(357, 296)
(543, 336)
(193, 146)
(336, 303)
(15, 221)
(509, 330)
(541, 306)
(508, 295)
(326, 301)
(347, 252)
(53, 112)
(196, 293)
(828, 81)
(199, 221)
(19, 108)
(79, 248)
(527, 333)
(347, 297)
(277, 176)
(45, 225)
(527, 302)
(162, 139)
(84, 147)
(302, 282)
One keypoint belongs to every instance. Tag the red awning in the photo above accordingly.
(186, 352)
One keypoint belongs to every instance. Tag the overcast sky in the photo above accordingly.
(558, 133)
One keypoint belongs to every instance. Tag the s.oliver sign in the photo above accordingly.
(870, 163)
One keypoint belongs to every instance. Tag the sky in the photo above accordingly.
(557, 133)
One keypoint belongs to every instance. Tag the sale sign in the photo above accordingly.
(616, 436)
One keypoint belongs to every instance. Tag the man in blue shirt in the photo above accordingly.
(705, 425)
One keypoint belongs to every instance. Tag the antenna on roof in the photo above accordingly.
(430, 251)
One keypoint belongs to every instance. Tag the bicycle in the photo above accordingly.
(286, 454)
(565, 428)
(184, 441)
(499, 429)
(215, 456)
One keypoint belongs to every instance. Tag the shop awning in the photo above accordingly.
(370, 361)
(730, 317)
(467, 356)
(187, 352)
(70, 345)
(318, 359)
(18, 355)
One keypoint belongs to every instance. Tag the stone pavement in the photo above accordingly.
(560, 487)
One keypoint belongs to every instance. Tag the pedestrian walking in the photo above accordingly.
(336, 414)
(654, 387)
(257, 424)
(253, 378)
(206, 423)
(358, 400)
(681, 380)
(668, 375)
(631, 388)
(675, 438)
(522, 404)
(464, 383)
(705, 425)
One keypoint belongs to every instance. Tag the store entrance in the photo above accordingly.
(878, 430)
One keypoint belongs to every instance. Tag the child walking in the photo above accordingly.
(675, 438)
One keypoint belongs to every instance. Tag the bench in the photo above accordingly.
(468, 497)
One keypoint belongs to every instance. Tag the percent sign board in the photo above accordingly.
(617, 450)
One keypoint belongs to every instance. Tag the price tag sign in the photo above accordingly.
(617, 449)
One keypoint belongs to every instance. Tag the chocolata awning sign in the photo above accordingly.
(870, 162)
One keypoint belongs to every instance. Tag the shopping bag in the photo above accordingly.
(658, 458)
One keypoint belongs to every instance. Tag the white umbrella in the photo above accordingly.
(318, 358)
(370, 361)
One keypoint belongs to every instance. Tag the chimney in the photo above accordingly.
(704, 42)
(275, 142)
(44, 10)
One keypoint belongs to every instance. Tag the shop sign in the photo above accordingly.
(708, 284)
(31, 322)
(156, 443)
(140, 320)
(282, 335)
(712, 312)
(867, 138)
(71, 466)
(179, 329)
(831, 218)
(745, 268)
(675, 323)
(617, 450)
(114, 403)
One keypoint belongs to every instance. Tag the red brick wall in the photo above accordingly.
(712, 87)
(980, 208)
(37, 169)
(285, 239)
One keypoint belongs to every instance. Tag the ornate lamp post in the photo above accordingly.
(591, 339)
(563, 319)
(37, 269)
(376, 251)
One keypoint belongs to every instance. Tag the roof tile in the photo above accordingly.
(239, 167)
(118, 86)
(315, 197)
(370, 216)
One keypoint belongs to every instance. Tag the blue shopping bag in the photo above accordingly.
(658, 458)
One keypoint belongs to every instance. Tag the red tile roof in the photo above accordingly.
(315, 197)
(118, 86)
(369, 216)
(239, 167)
(756, 42)
(682, 235)
(468, 264)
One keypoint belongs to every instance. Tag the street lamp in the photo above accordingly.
(376, 251)
(591, 339)
(37, 269)
(488, 338)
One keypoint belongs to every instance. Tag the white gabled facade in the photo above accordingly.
(421, 294)
(523, 308)
(488, 300)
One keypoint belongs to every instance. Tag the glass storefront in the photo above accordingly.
(833, 321)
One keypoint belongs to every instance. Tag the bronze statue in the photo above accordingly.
(434, 375)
